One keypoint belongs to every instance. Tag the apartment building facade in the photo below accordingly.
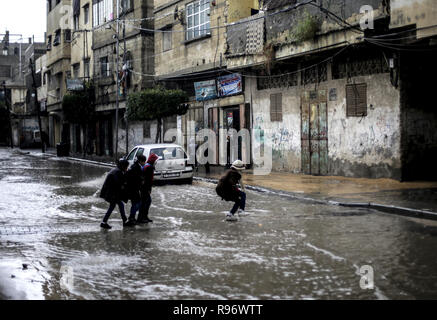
(125, 47)
(58, 66)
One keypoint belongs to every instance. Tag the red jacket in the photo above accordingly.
(148, 173)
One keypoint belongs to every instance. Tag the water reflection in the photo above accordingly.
(281, 249)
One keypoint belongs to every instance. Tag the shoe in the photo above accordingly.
(231, 217)
(130, 223)
(144, 221)
(104, 225)
(241, 212)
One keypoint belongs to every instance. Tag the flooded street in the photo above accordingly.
(280, 249)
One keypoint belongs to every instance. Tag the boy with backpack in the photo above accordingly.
(228, 188)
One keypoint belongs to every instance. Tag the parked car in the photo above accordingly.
(172, 164)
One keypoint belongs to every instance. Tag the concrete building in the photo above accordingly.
(337, 88)
(15, 72)
(58, 66)
(82, 66)
(135, 66)
(192, 35)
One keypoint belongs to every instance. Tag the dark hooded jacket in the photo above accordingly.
(148, 174)
(134, 178)
(113, 189)
(227, 187)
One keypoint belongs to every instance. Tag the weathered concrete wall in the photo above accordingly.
(81, 40)
(422, 13)
(280, 28)
(367, 146)
(136, 135)
(359, 147)
(58, 18)
(241, 9)
(188, 56)
(285, 135)
(139, 48)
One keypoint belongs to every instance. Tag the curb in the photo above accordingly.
(408, 212)
(415, 213)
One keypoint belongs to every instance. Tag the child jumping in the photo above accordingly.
(228, 189)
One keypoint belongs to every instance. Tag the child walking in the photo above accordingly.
(113, 191)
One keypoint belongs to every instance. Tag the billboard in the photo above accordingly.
(205, 90)
(229, 85)
(75, 84)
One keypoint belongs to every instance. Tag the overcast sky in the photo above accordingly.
(26, 17)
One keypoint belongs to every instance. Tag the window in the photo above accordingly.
(86, 68)
(86, 14)
(356, 100)
(76, 22)
(57, 39)
(146, 130)
(5, 51)
(166, 39)
(76, 70)
(126, 5)
(198, 21)
(67, 35)
(104, 67)
(103, 11)
(132, 154)
(171, 153)
(140, 152)
(276, 107)
(49, 43)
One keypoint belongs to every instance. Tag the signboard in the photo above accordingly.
(205, 90)
(74, 84)
(229, 85)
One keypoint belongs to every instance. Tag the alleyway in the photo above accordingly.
(281, 249)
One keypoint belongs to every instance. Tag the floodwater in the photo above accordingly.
(280, 249)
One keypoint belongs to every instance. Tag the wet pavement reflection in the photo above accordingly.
(280, 249)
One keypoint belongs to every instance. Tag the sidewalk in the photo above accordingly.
(415, 199)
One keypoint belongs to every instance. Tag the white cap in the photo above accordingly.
(238, 165)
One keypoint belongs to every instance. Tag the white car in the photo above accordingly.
(172, 163)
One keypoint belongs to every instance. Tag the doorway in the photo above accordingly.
(314, 132)
(232, 121)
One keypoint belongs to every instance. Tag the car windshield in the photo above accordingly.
(170, 153)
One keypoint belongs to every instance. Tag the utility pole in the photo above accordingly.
(9, 114)
(125, 83)
(118, 81)
(38, 107)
